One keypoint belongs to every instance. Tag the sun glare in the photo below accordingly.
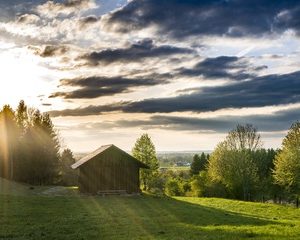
(21, 77)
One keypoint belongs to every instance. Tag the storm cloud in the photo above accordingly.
(134, 53)
(223, 67)
(258, 92)
(277, 121)
(97, 86)
(234, 18)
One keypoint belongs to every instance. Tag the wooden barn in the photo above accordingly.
(109, 170)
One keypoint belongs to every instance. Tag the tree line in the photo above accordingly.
(239, 168)
(30, 148)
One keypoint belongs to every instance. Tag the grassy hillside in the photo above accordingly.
(143, 217)
(12, 188)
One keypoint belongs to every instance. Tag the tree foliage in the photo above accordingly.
(243, 137)
(232, 162)
(68, 175)
(29, 146)
(144, 150)
(8, 141)
(287, 162)
(198, 163)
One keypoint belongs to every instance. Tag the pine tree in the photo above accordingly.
(68, 175)
(8, 142)
(196, 164)
(21, 116)
(41, 150)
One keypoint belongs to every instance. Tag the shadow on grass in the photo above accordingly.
(140, 217)
(168, 218)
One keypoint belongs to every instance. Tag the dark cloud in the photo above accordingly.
(134, 53)
(86, 111)
(278, 121)
(258, 92)
(262, 91)
(89, 20)
(47, 104)
(223, 67)
(93, 87)
(234, 18)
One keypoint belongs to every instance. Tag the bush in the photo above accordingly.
(173, 188)
(196, 187)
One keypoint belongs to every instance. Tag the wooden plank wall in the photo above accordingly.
(112, 170)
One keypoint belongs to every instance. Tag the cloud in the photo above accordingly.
(261, 91)
(53, 9)
(97, 86)
(51, 50)
(89, 110)
(134, 53)
(88, 21)
(179, 19)
(278, 121)
(28, 19)
(12, 8)
(223, 67)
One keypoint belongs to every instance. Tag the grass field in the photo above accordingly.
(41, 216)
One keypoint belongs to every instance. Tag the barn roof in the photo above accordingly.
(100, 151)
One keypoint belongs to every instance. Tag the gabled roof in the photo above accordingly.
(100, 151)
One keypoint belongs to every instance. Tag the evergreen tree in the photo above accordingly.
(41, 150)
(21, 116)
(8, 142)
(144, 150)
(68, 175)
(29, 146)
(198, 163)
(195, 166)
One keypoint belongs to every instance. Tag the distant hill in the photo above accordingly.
(167, 158)
(180, 158)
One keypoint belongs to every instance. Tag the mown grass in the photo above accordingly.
(143, 217)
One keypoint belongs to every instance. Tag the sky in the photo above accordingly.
(185, 72)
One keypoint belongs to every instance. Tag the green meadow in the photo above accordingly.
(41, 213)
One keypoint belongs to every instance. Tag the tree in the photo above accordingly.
(68, 175)
(287, 162)
(232, 162)
(22, 121)
(244, 137)
(41, 151)
(264, 160)
(198, 163)
(8, 142)
(21, 116)
(195, 166)
(144, 150)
